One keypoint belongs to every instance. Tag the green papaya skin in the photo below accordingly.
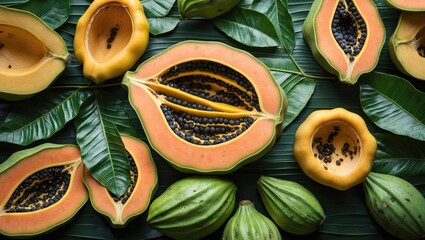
(396, 205)
(193, 207)
(248, 223)
(205, 8)
(292, 207)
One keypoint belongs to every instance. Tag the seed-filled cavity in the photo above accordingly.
(349, 28)
(214, 103)
(133, 180)
(40, 190)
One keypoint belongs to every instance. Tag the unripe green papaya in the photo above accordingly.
(204, 8)
(193, 207)
(248, 223)
(292, 207)
(396, 205)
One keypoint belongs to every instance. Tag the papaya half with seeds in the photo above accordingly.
(110, 37)
(143, 185)
(335, 148)
(207, 107)
(32, 55)
(407, 44)
(41, 189)
(407, 5)
(345, 36)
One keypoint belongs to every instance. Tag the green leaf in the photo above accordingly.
(49, 112)
(278, 13)
(53, 12)
(249, 27)
(161, 25)
(9, 2)
(399, 155)
(297, 87)
(157, 8)
(393, 104)
(102, 149)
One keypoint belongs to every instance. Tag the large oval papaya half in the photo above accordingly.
(345, 36)
(41, 188)
(207, 107)
(143, 185)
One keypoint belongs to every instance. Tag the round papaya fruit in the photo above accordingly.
(143, 185)
(41, 189)
(207, 107)
(345, 36)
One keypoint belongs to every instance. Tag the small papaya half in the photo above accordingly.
(207, 107)
(41, 189)
(345, 36)
(142, 187)
(110, 37)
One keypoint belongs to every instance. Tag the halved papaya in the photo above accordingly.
(120, 210)
(41, 189)
(345, 36)
(207, 107)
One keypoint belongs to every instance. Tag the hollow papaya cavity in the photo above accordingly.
(407, 44)
(142, 187)
(110, 37)
(345, 36)
(335, 148)
(42, 188)
(32, 55)
(207, 107)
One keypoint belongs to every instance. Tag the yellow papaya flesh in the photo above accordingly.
(207, 107)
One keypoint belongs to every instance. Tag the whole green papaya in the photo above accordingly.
(248, 223)
(193, 207)
(396, 205)
(204, 8)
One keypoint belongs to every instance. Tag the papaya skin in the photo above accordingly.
(108, 46)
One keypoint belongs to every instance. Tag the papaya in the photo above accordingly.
(396, 205)
(42, 188)
(407, 5)
(345, 36)
(193, 207)
(143, 185)
(110, 37)
(204, 8)
(32, 55)
(335, 148)
(407, 44)
(217, 106)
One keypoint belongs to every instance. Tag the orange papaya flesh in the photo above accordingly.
(47, 166)
(181, 94)
(120, 210)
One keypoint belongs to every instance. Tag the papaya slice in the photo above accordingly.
(207, 107)
(407, 5)
(345, 36)
(32, 55)
(407, 44)
(135, 201)
(42, 188)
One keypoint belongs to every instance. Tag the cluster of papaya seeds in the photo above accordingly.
(352, 43)
(335, 148)
(218, 106)
(407, 44)
(32, 55)
(249, 223)
(110, 37)
(41, 188)
(396, 205)
(193, 207)
(119, 210)
(291, 206)
(205, 8)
